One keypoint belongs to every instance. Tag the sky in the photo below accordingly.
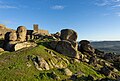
(91, 19)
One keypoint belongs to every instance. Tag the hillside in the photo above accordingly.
(55, 57)
(107, 46)
(13, 66)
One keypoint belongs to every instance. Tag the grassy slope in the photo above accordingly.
(13, 66)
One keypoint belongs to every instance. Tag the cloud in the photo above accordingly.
(106, 14)
(110, 3)
(5, 5)
(57, 7)
(118, 14)
(7, 22)
(102, 2)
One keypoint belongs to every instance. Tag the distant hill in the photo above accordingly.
(107, 46)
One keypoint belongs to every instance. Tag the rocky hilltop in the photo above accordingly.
(54, 57)
(4, 30)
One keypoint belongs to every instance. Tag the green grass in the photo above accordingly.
(13, 66)
(84, 68)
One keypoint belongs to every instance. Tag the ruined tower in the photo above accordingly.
(35, 26)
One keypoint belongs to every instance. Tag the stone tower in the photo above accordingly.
(35, 26)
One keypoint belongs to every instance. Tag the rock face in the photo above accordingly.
(74, 44)
(15, 40)
(106, 71)
(68, 34)
(65, 47)
(2, 26)
(84, 46)
(21, 33)
(7, 36)
(56, 35)
(4, 30)
(19, 46)
(68, 72)
(93, 61)
(16, 45)
(9, 46)
(51, 62)
(12, 36)
(40, 63)
(1, 50)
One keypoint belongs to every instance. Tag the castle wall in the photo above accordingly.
(39, 31)
(35, 27)
(43, 32)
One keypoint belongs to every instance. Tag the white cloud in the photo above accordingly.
(118, 14)
(5, 5)
(7, 22)
(57, 7)
(106, 14)
(112, 5)
(107, 2)
(116, 0)
(102, 2)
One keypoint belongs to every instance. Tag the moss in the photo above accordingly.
(87, 70)
(13, 65)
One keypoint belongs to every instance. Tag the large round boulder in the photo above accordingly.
(65, 47)
(1, 49)
(84, 46)
(17, 45)
(68, 34)
(2, 26)
(21, 33)
(12, 36)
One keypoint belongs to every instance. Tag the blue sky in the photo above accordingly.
(91, 19)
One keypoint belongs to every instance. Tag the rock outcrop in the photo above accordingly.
(16, 45)
(16, 40)
(65, 47)
(1, 49)
(68, 34)
(84, 46)
(4, 30)
(40, 63)
(12, 36)
(49, 63)
(21, 33)
(56, 36)
(68, 72)
(106, 71)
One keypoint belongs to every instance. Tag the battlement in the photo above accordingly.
(39, 31)
(35, 27)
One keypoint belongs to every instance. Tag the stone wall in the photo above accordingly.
(35, 26)
(43, 32)
(39, 31)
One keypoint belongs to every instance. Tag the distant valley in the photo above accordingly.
(107, 46)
